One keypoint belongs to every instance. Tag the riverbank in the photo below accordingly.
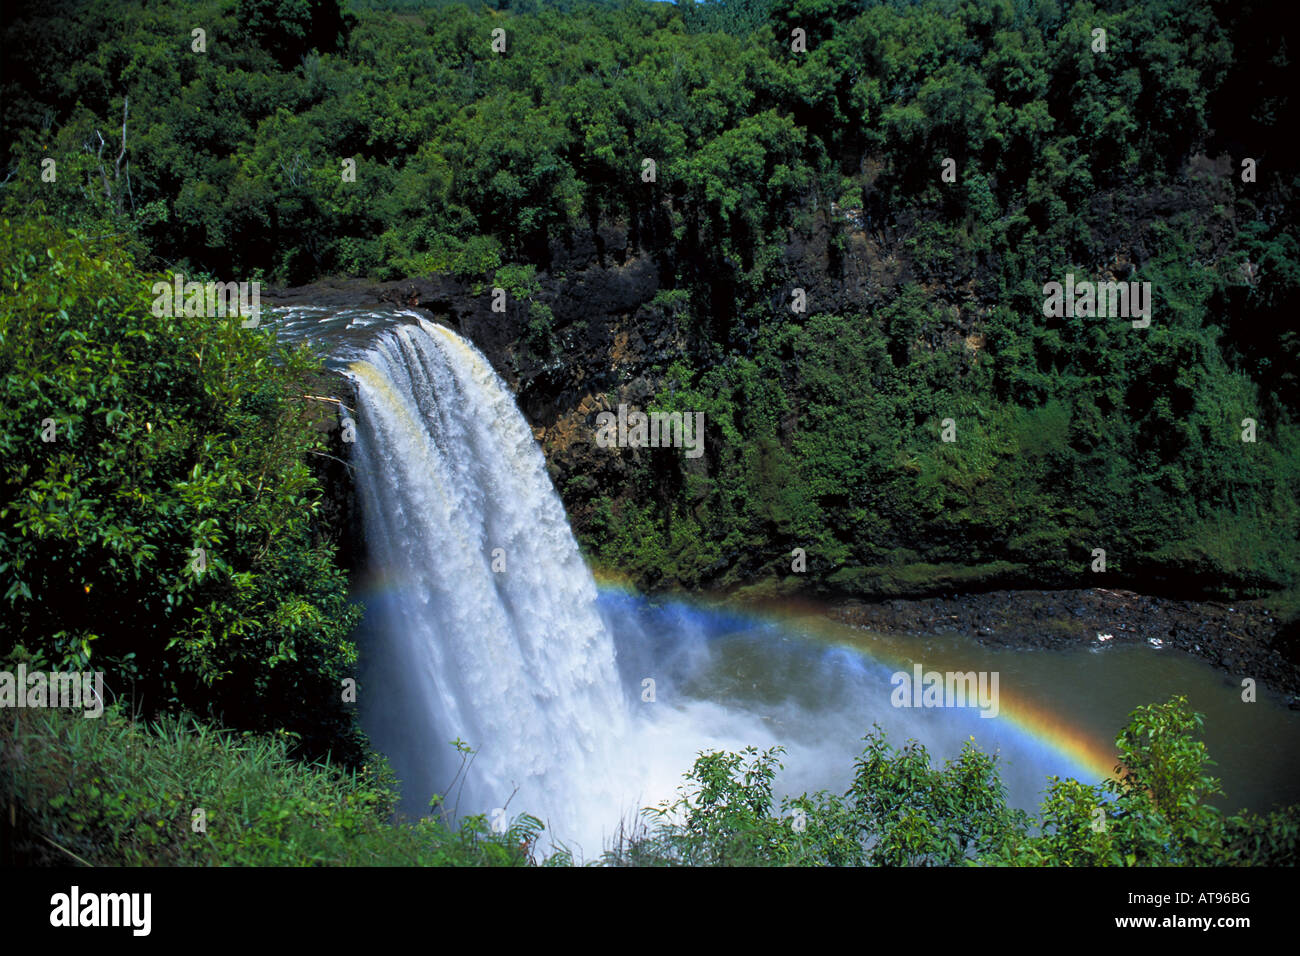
(1241, 639)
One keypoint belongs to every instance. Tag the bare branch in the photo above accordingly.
(322, 398)
(99, 155)
(117, 167)
(345, 464)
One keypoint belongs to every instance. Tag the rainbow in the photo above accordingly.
(1094, 759)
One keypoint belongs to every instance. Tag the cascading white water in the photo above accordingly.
(485, 625)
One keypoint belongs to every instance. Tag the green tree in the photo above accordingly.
(166, 532)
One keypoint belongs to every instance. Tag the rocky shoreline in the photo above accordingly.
(1242, 639)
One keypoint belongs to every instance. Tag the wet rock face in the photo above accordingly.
(595, 286)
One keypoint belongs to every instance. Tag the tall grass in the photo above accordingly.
(112, 791)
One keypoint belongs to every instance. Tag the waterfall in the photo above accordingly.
(484, 625)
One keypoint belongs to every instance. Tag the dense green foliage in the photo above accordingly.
(823, 427)
(166, 534)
